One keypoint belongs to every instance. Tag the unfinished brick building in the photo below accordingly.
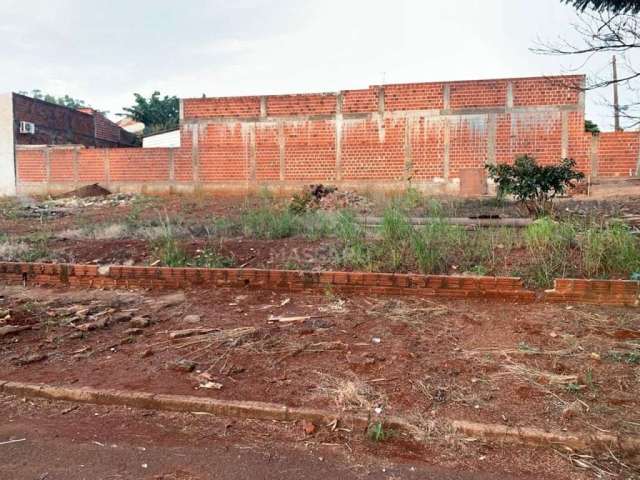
(434, 136)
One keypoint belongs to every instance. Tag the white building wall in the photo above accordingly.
(166, 140)
(7, 147)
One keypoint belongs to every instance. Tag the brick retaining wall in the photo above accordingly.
(609, 292)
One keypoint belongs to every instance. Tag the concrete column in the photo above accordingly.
(251, 138)
(492, 126)
(638, 159)
(281, 149)
(565, 135)
(446, 97)
(263, 107)
(47, 165)
(76, 166)
(408, 148)
(172, 166)
(594, 150)
(8, 178)
(107, 167)
(447, 140)
(195, 154)
(338, 134)
(509, 94)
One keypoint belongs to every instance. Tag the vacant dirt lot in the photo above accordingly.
(553, 366)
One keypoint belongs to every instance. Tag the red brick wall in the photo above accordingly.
(85, 165)
(618, 154)
(386, 135)
(58, 125)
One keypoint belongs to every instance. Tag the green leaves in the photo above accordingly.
(534, 185)
(155, 112)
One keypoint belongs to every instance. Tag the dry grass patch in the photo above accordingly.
(349, 393)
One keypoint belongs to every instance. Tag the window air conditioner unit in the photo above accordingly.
(28, 128)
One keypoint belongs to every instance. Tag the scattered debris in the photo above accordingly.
(191, 319)
(130, 332)
(139, 322)
(93, 190)
(11, 329)
(190, 332)
(278, 319)
(13, 441)
(184, 365)
(211, 385)
(33, 358)
(308, 427)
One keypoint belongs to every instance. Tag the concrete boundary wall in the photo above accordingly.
(606, 292)
(436, 137)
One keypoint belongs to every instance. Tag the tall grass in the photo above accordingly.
(354, 248)
(396, 232)
(435, 245)
(269, 223)
(610, 250)
(549, 243)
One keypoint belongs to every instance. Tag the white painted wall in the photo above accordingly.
(166, 140)
(7, 148)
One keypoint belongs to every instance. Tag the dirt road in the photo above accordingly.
(69, 442)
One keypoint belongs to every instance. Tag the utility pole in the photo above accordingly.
(616, 104)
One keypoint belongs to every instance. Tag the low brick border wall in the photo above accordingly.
(601, 292)
(279, 412)
(604, 292)
(50, 274)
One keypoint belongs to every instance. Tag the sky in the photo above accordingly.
(104, 51)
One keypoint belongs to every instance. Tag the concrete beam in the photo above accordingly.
(7, 146)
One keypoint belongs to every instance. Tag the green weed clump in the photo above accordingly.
(549, 243)
(609, 251)
(396, 233)
(269, 223)
(436, 244)
(354, 248)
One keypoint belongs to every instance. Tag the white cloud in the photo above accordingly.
(103, 52)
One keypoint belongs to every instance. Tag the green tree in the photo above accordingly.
(614, 6)
(605, 28)
(157, 113)
(65, 101)
(590, 126)
(533, 185)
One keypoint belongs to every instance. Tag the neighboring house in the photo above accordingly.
(170, 139)
(131, 125)
(36, 122)
(28, 121)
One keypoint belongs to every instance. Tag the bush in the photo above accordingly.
(533, 185)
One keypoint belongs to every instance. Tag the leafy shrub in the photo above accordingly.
(300, 202)
(533, 185)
